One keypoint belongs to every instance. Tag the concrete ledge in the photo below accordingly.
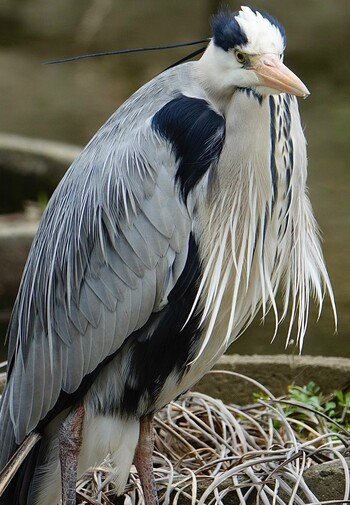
(274, 372)
(25, 151)
(30, 169)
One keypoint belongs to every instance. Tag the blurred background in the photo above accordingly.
(69, 102)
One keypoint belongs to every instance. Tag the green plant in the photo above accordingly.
(335, 406)
(309, 408)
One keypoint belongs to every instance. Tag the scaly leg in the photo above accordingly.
(70, 438)
(143, 460)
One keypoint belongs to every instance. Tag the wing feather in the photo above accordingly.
(104, 295)
(129, 258)
(53, 380)
(161, 221)
(89, 304)
(121, 268)
(158, 244)
(140, 248)
(111, 246)
(112, 283)
(32, 403)
(66, 332)
(76, 367)
(76, 317)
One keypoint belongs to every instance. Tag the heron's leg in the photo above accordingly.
(143, 460)
(70, 438)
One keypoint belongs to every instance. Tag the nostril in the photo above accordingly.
(269, 63)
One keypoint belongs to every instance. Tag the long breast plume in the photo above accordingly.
(259, 242)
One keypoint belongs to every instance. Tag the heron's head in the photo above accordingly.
(246, 51)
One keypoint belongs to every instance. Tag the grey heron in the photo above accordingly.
(180, 220)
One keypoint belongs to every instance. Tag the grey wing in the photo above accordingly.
(111, 246)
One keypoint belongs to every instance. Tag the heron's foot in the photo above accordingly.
(70, 438)
(143, 460)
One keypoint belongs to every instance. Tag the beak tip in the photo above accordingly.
(306, 94)
(300, 90)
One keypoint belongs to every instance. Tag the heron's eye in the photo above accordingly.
(240, 57)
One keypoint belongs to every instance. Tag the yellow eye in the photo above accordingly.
(240, 57)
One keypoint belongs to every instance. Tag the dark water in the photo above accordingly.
(69, 102)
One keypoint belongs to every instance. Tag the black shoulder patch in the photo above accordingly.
(196, 133)
(227, 32)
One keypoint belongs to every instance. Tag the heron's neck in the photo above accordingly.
(212, 78)
(258, 231)
(234, 223)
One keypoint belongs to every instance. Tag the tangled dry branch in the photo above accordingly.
(211, 453)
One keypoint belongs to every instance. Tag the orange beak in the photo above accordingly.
(272, 73)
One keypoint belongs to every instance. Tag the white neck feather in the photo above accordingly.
(253, 243)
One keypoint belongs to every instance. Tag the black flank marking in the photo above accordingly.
(273, 167)
(196, 133)
(171, 346)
